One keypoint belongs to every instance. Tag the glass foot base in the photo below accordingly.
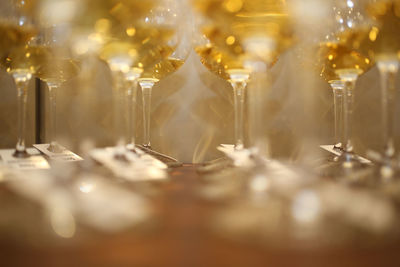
(21, 154)
(170, 161)
(351, 172)
(388, 167)
(121, 158)
(55, 148)
(214, 165)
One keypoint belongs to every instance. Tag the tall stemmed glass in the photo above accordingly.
(58, 66)
(321, 63)
(19, 59)
(337, 90)
(128, 36)
(252, 34)
(345, 50)
(385, 49)
(131, 79)
(329, 75)
(172, 14)
(143, 41)
(233, 71)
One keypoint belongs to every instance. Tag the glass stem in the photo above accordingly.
(337, 89)
(239, 97)
(53, 88)
(147, 87)
(349, 80)
(239, 82)
(388, 70)
(256, 103)
(131, 111)
(21, 82)
(119, 111)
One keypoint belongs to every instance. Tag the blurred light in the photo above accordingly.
(373, 33)
(230, 40)
(131, 31)
(86, 187)
(306, 206)
(95, 37)
(155, 172)
(133, 53)
(350, 3)
(260, 183)
(133, 74)
(57, 12)
(350, 23)
(261, 46)
(120, 63)
(233, 5)
(386, 172)
(102, 25)
(62, 222)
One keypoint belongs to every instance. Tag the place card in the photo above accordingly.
(241, 158)
(337, 152)
(65, 155)
(34, 162)
(133, 166)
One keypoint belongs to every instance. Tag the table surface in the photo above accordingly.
(181, 238)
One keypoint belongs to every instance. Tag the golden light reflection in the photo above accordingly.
(86, 187)
(102, 25)
(62, 222)
(306, 206)
(373, 34)
(260, 183)
(131, 31)
(230, 40)
(233, 5)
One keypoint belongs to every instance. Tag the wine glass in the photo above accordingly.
(319, 63)
(344, 51)
(172, 14)
(130, 36)
(385, 49)
(248, 36)
(58, 66)
(328, 74)
(131, 79)
(20, 60)
(143, 42)
(337, 90)
(233, 71)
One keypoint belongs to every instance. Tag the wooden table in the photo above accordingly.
(179, 238)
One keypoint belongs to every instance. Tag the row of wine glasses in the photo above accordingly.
(359, 36)
(141, 41)
(239, 40)
(362, 35)
(29, 50)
